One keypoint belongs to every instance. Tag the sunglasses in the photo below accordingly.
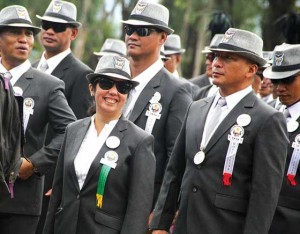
(210, 56)
(140, 31)
(285, 81)
(106, 83)
(57, 27)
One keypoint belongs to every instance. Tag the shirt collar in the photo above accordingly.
(54, 61)
(17, 71)
(233, 99)
(144, 77)
(294, 110)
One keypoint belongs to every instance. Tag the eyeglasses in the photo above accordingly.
(57, 27)
(285, 81)
(140, 31)
(210, 56)
(106, 83)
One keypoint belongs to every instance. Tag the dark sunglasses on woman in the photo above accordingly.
(106, 83)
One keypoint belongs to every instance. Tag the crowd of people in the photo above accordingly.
(134, 148)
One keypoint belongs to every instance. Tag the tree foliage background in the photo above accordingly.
(189, 18)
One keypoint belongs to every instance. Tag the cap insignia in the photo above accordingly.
(278, 58)
(21, 13)
(227, 36)
(119, 62)
(57, 7)
(140, 7)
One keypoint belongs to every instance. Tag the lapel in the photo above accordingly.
(244, 106)
(24, 81)
(118, 131)
(75, 145)
(145, 96)
(202, 114)
(62, 67)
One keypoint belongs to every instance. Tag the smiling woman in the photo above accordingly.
(108, 155)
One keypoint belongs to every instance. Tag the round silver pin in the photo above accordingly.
(199, 157)
(237, 131)
(292, 126)
(112, 142)
(111, 156)
(18, 91)
(243, 120)
(156, 97)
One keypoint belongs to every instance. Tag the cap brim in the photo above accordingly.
(57, 20)
(268, 73)
(92, 76)
(169, 52)
(253, 57)
(108, 53)
(144, 23)
(35, 29)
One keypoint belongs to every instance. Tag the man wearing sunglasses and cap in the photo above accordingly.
(229, 157)
(285, 76)
(44, 103)
(159, 103)
(59, 29)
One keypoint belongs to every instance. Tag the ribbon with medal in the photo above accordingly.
(235, 139)
(108, 161)
(293, 166)
(27, 111)
(153, 112)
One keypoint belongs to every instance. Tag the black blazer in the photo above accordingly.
(128, 192)
(287, 216)
(50, 107)
(206, 205)
(73, 72)
(175, 98)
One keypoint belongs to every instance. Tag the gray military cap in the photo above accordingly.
(150, 14)
(243, 43)
(286, 63)
(114, 47)
(215, 41)
(61, 12)
(17, 16)
(112, 66)
(173, 45)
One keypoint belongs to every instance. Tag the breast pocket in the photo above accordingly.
(108, 220)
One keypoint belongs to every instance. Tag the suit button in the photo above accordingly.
(199, 166)
(195, 190)
(78, 196)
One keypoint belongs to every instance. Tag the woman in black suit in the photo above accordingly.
(104, 178)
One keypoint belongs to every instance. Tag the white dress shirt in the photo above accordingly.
(90, 146)
(231, 101)
(53, 61)
(143, 79)
(17, 71)
(294, 111)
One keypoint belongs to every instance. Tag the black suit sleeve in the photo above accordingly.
(59, 116)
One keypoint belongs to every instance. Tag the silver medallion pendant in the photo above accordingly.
(199, 157)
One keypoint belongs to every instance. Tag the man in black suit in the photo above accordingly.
(228, 160)
(158, 105)
(44, 103)
(59, 29)
(285, 75)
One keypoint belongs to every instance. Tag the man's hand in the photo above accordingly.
(26, 169)
(48, 194)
